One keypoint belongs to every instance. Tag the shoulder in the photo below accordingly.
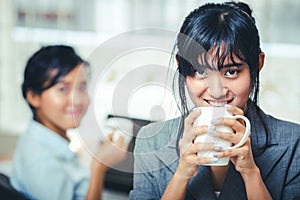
(286, 155)
(162, 126)
(155, 147)
(36, 147)
(157, 135)
(285, 131)
(276, 129)
(28, 149)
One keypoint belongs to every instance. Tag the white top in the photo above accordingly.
(45, 168)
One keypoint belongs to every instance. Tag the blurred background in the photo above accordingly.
(26, 25)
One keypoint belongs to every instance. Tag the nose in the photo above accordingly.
(216, 87)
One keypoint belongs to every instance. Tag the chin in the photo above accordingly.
(75, 125)
(71, 124)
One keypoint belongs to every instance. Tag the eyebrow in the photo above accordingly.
(239, 65)
(66, 82)
(232, 65)
(63, 82)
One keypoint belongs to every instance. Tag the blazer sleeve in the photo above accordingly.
(143, 183)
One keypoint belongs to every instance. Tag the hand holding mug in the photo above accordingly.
(189, 161)
(210, 115)
(242, 156)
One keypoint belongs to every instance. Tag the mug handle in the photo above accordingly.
(247, 131)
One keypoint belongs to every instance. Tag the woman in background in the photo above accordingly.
(219, 60)
(55, 88)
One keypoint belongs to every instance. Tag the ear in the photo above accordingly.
(33, 99)
(261, 60)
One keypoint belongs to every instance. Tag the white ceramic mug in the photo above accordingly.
(212, 113)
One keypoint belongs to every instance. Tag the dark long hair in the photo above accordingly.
(229, 29)
(38, 74)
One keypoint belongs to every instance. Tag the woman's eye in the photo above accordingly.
(63, 89)
(231, 73)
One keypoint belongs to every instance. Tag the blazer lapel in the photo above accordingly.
(168, 156)
(267, 160)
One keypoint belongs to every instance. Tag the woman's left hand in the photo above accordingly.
(242, 156)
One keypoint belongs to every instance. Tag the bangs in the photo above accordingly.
(55, 73)
(209, 43)
(214, 58)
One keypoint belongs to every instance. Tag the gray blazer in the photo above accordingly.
(275, 146)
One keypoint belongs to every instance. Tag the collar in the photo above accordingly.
(261, 136)
(50, 140)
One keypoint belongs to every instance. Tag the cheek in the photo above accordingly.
(55, 106)
(195, 88)
(242, 89)
(54, 102)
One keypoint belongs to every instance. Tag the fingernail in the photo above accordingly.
(227, 106)
(216, 154)
(212, 131)
(214, 160)
(218, 146)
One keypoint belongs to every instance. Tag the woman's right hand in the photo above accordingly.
(189, 160)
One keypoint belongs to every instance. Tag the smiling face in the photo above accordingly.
(63, 105)
(231, 84)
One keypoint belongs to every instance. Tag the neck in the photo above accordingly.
(55, 129)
